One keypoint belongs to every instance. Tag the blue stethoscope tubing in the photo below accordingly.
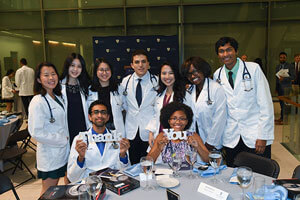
(126, 87)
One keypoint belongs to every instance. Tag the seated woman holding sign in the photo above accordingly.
(176, 118)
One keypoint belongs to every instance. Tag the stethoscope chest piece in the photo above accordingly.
(52, 120)
(115, 145)
(209, 102)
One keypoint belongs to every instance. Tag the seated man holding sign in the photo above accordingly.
(176, 118)
(97, 148)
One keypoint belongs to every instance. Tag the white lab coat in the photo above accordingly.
(52, 138)
(83, 100)
(138, 117)
(24, 80)
(154, 124)
(211, 119)
(94, 161)
(116, 109)
(250, 113)
(7, 88)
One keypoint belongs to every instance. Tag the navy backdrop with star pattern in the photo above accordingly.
(117, 50)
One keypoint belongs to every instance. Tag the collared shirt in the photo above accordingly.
(143, 82)
(101, 146)
(234, 70)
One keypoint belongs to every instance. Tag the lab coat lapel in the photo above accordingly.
(239, 77)
(225, 81)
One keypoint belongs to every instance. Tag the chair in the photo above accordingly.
(6, 185)
(296, 173)
(258, 164)
(13, 154)
(21, 136)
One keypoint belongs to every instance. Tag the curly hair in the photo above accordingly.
(167, 111)
(199, 64)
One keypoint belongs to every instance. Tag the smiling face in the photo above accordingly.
(75, 69)
(227, 55)
(48, 78)
(99, 116)
(103, 73)
(195, 76)
(167, 76)
(178, 120)
(140, 64)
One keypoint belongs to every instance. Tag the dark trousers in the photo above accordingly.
(138, 149)
(26, 100)
(281, 93)
(240, 147)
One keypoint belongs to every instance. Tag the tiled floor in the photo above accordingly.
(31, 189)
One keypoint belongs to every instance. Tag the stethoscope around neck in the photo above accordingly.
(52, 119)
(246, 77)
(209, 101)
(125, 93)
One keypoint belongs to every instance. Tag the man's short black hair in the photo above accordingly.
(98, 102)
(282, 53)
(23, 61)
(225, 40)
(139, 52)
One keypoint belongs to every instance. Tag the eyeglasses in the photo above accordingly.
(104, 70)
(181, 119)
(194, 72)
(102, 112)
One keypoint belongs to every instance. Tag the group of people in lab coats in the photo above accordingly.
(233, 111)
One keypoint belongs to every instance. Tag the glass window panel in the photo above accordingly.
(285, 10)
(21, 42)
(152, 2)
(153, 30)
(284, 36)
(209, 1)
(53, 19)
(20, 20)
(19, 4)
(84, 45)
(199, 40)
(97, 3)
(154, 15)
(52, 4)
(103, 17)
(225, 13)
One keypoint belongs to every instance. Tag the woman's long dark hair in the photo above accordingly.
(83, 78)
(113, 85)
(178, 87)
(38, 88)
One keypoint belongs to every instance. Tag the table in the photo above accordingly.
(4, 133)
(187, 189)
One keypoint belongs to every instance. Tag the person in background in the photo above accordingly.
(170, 88)
(75, 82)
(250, 118)
(24, 79)
(209, 102)
(47, 124)
(284, 84)
(8, 89)
(139, 92)
(105, 88)
(179, 117)
(296, 63)
(89, 155)
(244, 57)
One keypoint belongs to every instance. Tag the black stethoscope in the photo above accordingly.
(246, 77)
(52, 119)
(125, 93)
(209, 101)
